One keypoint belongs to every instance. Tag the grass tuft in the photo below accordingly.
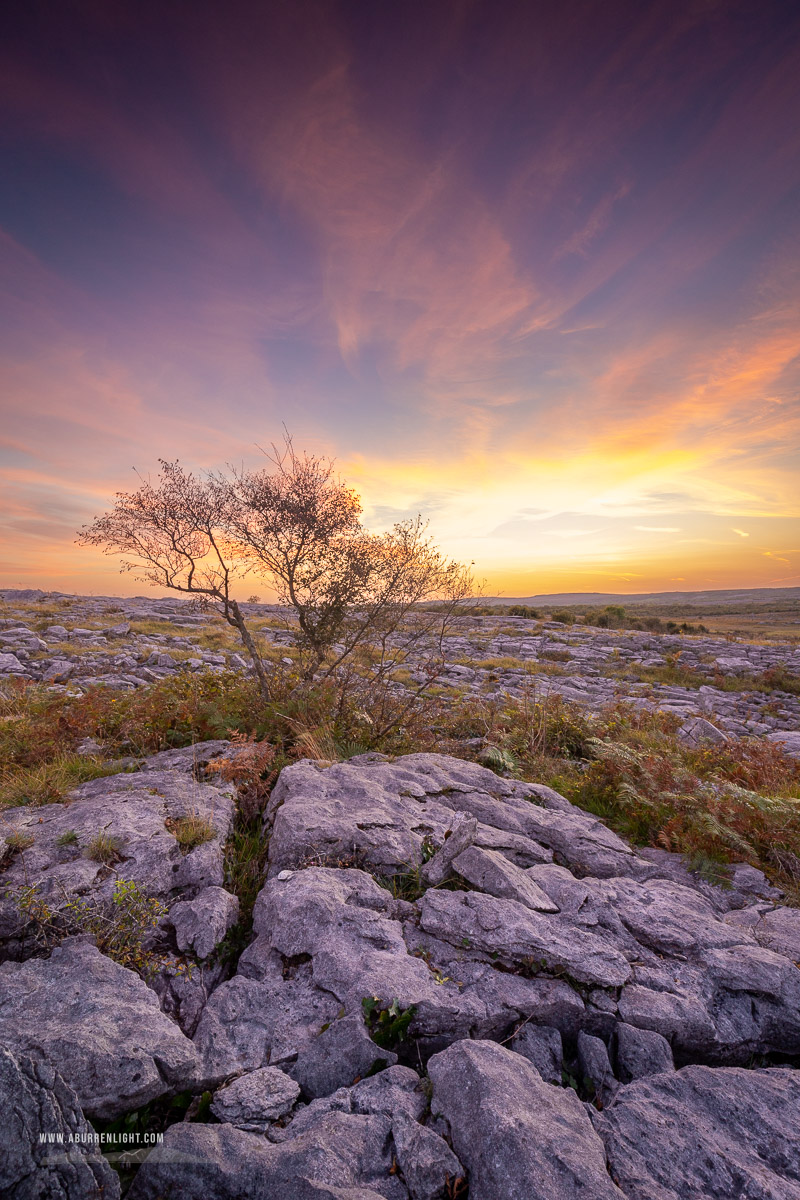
(18, 841)
(191, 831)
(105, 848)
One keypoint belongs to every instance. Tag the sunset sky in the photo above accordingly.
(529, 268)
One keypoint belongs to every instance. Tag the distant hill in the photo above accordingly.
(695, 599)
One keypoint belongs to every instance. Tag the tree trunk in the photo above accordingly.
(250, 646)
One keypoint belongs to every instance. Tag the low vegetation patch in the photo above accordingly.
(123, 926)
(17, 841)
(717, 804)
(105, 848)
(191, 831)
(49, 782)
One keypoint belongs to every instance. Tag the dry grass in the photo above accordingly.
(105, 848)
(49, 782)
(191, 831)
(18, 841)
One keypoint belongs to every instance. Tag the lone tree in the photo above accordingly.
(361, 601)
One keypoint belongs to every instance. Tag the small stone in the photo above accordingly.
(254, 1101)
(201, 924)
(339, 1056)
(641, 1052)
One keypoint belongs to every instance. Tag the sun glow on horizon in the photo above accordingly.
(555, 310)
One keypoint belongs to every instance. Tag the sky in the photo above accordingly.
(531, 269)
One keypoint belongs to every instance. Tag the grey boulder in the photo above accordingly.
(519, 1137)
(491, 872)
(542, 1046)
(341, 1054)
(255, 1100)
(511, 929)
(776, 929)
(201, 924)
(458, 838)
(386, 813)
(99, 1024)
(696, 731)
(641, 1052)
(251, 1023)
(709, 1133)
(48, 1147)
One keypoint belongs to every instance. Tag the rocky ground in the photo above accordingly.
(459, 985)
(456, 984)
(94, 640)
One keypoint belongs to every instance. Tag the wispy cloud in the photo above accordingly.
(548, 293)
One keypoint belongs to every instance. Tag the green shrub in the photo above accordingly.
(388, 1027)
(122, 927)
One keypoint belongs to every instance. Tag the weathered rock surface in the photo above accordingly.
(359, 1143)
(99, 1024)
(490, 871)
(517, 1135)
(341, 1054)
(381, 814)
(201, 924)
(776, 929)
(253, 1101)
(47, 1147)
(337, 1160)
(426, 1161)
(595, 1066)
(542, 1046)
(651, 946)
(641, 1052)
(706, 1133)
(139, 813)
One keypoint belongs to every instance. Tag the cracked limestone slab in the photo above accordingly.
(98, 1024)
(380, 813)
(248, 1023)
(47, 1142)
(343, 1156)
(666, 916)
(134, 808)
(711, 1133)
(512, 931)
(344, 922)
